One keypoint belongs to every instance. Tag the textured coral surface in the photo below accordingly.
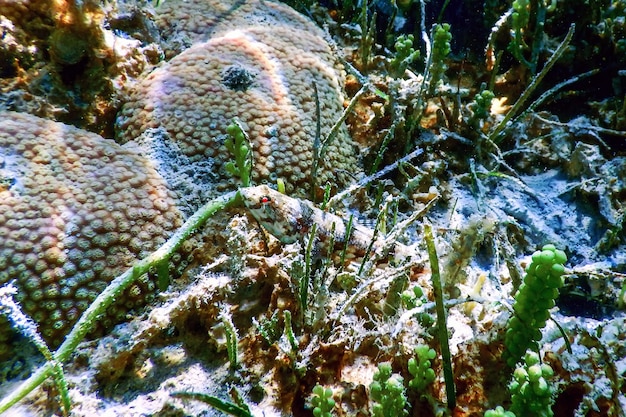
(76, 210)
(190, 21)
(266, 75)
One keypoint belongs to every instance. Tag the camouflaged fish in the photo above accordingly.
(291, 220)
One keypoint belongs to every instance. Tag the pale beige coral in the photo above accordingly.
(76, 210)
(265, 73)
(193, 21)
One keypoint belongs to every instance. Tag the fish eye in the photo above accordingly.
(265, 199)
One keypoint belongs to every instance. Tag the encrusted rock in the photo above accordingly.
(68, 60)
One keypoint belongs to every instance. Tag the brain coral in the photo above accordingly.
(75, 211)
(265, 73)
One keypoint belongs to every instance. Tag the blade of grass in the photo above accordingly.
(494, 136)
(442, 330)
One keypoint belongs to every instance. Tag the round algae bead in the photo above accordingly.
(557, 269)
(531, 358)
(560, 256)
(546, 257)
(534, 373)
(541, 387)
(547, 371)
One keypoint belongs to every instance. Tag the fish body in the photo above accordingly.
(291, 220)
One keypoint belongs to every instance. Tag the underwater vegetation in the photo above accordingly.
(313, 208)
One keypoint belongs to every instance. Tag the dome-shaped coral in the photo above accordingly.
(266, 73)
(76, 210)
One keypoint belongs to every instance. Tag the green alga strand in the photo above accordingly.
(232, 339)
(533, 301)
(28, 328)
(322, 401)
(163, 274)
(308, 268)
(442, 330)
(291, 337)
(215, 402)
